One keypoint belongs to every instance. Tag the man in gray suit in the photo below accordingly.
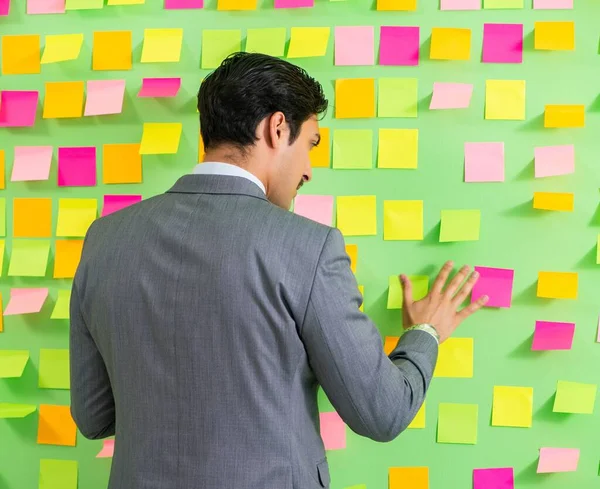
(204, 320)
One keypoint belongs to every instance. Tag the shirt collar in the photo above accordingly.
(219, 168)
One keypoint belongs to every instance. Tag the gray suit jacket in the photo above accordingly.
(203, 321)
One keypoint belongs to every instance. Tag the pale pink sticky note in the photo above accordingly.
(77, 166)
(553, 4)
(316, 207)
(104, 97)
(558, 460)
(551, 335)
(108, 449)
(333, 431)
(183, 4)
(32, 163)
(354, 46)
(460, 5)
(484, 162)
(451, 96)
(159, 87)
(4, 7)
(497, 284)
(501, 478)
(45, 7)
(294, 3)
(25, 301)
(551, 161)
(18, 108)
(502, 43)
(399, 46)
(114, 203)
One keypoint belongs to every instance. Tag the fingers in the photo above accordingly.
(407, 294)
(472, 308)
(456, 281)
(466, 289)
(441, 278)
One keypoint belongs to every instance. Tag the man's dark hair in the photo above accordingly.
(248, 87)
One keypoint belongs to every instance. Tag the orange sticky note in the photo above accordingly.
(112, 51)
(555, 36)
(68, 255)
(236, 5)
(201, 151)
(63, 100)
(32, 218)
(352, 252)
(390, 344)
(564, 116)
(355, 98)
(409, 478)
(21, 55)
(2, 169)
(56, 426)
(122, 163)
(320, 156)
(396, 4)
(554, 201)
(557, 285)
(450, 44)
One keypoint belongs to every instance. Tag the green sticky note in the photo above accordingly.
(503, 4)
(54, 369)
(12, 363)
(597, 253)
(62, 306)
(9, 410)
(29, 258)
(457, 423)
(218, 44)
(359, 486)
(83, 4)
(398, 97)
(353, 149)
(574, 397)
(420, 288)
(2, 246)
(460, 225)
(3, 217)
(269, 41)
(58, 474)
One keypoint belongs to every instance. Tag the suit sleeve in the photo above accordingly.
(377, 396)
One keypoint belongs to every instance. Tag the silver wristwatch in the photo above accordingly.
(428, 328)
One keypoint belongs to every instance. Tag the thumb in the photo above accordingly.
(407, 294)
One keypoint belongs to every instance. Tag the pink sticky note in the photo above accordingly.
(183, 4)
(108, 449)
(558, 460)
(496, 283)
(316, 207)
(451, 96)
(18, 109)
(45, 7)
(114, 203)
(552, 161)
(333, 431)
(460, 5)
(550, 335)
(25, 301)
(399, 46)
(294, 3)
(104, 97)
(77, 167)
(484, 162)
(553, 4)
(502, 43)
(494, 478)
(4, 7)
(354, 46)
(159, 87)
(32, 163)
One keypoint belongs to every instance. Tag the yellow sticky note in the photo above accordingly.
(505, 100)
(352, 252)
(26, 227)
(63, 100)
(398, 148)
(409, 478)
(112, 51)
(402, 220)
(236, 5)
(556, 36)
(1, 305)
(201, 151)
(320, 156)
(450, 43)
(162, 45)
(355, 98)
(564, 116)
(56, 426)
(62, 47)
(455, 358)
(357, 216)
(361, 289)
(513, 406)
(396, 5)
(122, 163)
(68, 255)
(126, 2)
(75, 216)
(160, 138)
(554, 201)
(557, 285)
(418, 421)
(2, 248)
(306, 42)
(2, 170)
(21, 55)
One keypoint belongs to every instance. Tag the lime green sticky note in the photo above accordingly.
(269, 41)
(2, 246)
(353, 149)
(574, 397)
(75, 216)
(29, 258)
(502, 4)
(83, 4)
(10, 410)
(597, 253)
(457, 423)
(218, 44)
(357, 215)
(398, 148)
(307, 42)
(3, 217)
(58, 474)
(505, 100)
(460, 225)
(359, 486)
(54, 369)
(398, 97)
(61, 308)
(12, 363)
(420, 288)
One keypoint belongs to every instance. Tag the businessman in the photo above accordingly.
(203, 320)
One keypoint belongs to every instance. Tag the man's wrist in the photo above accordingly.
(428, 328)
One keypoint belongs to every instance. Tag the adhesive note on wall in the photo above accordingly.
(551, 161)
(505, 99)
(558, 460)
(159, 87)
(503, 4)
(455, 358)
(554, 201)
(126, 2)
(114, 203)
(183, 4)
(63, 100)
(25, 301)
(162, 45)
(306, 42)
(112, 51)
(32, 163)
(54, 369)
(460, 5)
(2, 169)
(67, 257)
(398, 148)
(104, 97)
(512, 406)
(553, 4)
(484, 162)
(56, 426)
(502, 43)
(390, 342)
(450, 43)
(354, 46)
(403, 220)
(451, 96)
(121, 163)
(36, 7)
(361, 289)
(551, 335)
(555, 36)
(352, 251)
(564, 116)
(420, 288)
(218, 44)
(270, 40)
(409, 477)
(457, 423)
(29, 258)
(399, 46)
(77, 167)
(84, 4)
(398, 97)
(4, 8)
(497, 284)
(355, 98)
(294, 3)
(108, 449)
(236, 4)
(460, 225)
(62, 307)
(75, 216)
(319, 208)
(333, 431)
(2, 222)
(357, 215)
(392, 5)
(12, 410)
(496, 478)
(418, 422)
(12, 363)
(18, 108)
(320, 155)
(557, 285)
(353, 149)
(160, 138)
(62, 47)
(24, 226)
(575, 397)
(58, 474)
(21, 55)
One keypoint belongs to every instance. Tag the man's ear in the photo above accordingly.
(278, 130)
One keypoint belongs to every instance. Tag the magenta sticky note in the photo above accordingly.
(104, 97)
(558, 460)
(501, 478)
(484, 162)
(551, 335)
(4, 8)
(316, 207)
(553, 4)
(496, 283)
(159, 87)
(551, 161)
(183, 4)
(451, 96)
(354, 46)
(108, 449)
(25, 301)
(333, 431)
(114, 203)
(294, 3)
(32, 163)
(502, 43)
(399, 46)
(77, 167)
(36, 7)
(460, 5)
(18, 108)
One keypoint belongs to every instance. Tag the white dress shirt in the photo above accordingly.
(217, 168)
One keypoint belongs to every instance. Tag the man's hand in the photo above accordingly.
(440, 307)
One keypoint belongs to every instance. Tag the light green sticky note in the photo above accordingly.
(10, 410)
(398, 97)
(62, 306)
(75, 216)
(218, 44)
(29, 258)
(2, 246)
(457, 423)
(84, 4)
(58, 474)
(269, 41)
(54, 369)
(2, 217)
(597, 252)
(359, 486)
(12, 363)
(574, 397)
(420, 288)
(460, 225)
(353, 149)
(503, 4)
